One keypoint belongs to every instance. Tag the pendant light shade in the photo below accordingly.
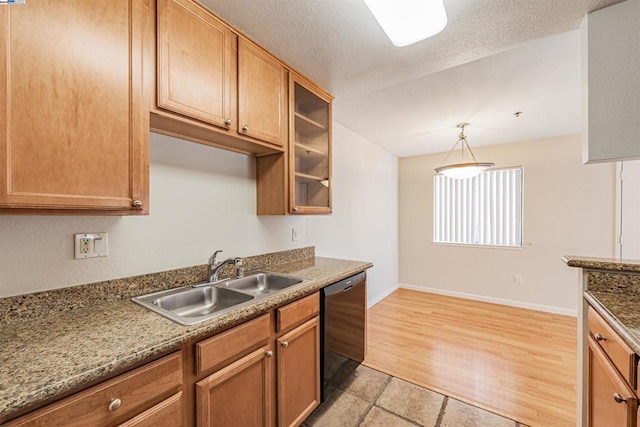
(462, 170)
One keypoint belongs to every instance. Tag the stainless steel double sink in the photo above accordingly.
(193, 304)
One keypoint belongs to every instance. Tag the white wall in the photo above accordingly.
(568, 209)
(628, 210)
(202, 199)
(364, 224)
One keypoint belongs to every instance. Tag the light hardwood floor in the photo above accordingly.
(515, 362)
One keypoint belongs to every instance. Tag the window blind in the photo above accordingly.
(483, 210)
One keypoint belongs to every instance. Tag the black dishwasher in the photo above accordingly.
(343, 309)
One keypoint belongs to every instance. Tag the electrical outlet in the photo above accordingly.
(91, 245)
(85, 245)
(518, 280)
(294, 234)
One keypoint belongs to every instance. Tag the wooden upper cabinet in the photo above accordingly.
(196, 63)
(262, 94)
(74, 118)
(310, 148)
(215, 87)
(299, 181)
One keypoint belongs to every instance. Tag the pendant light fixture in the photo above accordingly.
(408, 21)
(462, 170)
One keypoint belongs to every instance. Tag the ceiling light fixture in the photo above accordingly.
(463, 170)
(408, 21)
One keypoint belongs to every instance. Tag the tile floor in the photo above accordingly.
(374, 399)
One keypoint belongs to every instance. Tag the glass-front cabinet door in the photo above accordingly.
(310, 149)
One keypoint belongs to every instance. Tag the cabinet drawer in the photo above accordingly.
(136, 390)
(298, 312)
(227, 346)
(623, 358)
(168, 413)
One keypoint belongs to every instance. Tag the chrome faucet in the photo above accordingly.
(215, 265)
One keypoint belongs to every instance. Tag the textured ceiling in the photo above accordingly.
(392, 95)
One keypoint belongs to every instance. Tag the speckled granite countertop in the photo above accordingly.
(611, 264)
(612, 287)
(45, 356)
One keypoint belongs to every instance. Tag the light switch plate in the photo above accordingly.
(91, 245)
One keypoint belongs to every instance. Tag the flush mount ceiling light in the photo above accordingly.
(408, 21)
(463, 170)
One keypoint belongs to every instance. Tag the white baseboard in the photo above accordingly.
(512, 303)
(380, 297)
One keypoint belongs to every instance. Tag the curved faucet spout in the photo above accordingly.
(215, 266)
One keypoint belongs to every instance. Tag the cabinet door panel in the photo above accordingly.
(298, 373)
(604, 384)
(262, 94)
(195, 64)
(74, 123)
(248, 382)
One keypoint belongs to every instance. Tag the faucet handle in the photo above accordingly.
(213, 261)
(237, 261)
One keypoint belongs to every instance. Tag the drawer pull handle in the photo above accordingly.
(284, 344)
(269, 353)
(245, 128)
(114, 405)
(619, 398)
(599, 337)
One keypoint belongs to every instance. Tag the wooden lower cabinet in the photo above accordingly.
(136, 398)
(298, 373)
(233, 378)
(612, 403)
(239, 394)
(256, 385)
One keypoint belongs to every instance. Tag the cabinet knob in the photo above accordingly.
(619, 398)
(285, 344)
(228, 122)
(268, 353)
(137, 203)
(114, 404)
(245, 128)
(599, 337)
(295, 209)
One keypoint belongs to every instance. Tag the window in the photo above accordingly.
(483, 210)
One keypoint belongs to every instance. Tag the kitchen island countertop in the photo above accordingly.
(612, 288)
